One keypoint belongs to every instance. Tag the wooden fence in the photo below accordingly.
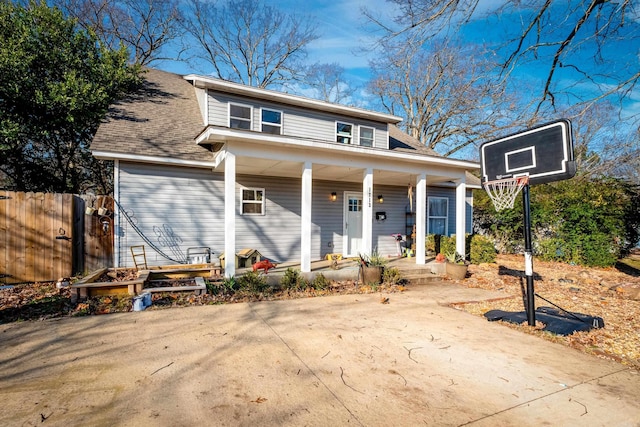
(46, 236)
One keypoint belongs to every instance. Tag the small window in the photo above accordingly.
(344, 133)
(438, 212)
(239, 116)
(253, 201)
(355, 205)
(366, 136)
(272, 121)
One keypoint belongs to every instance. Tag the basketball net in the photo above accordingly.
(503, 192)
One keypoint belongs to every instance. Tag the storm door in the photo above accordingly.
(352, 224)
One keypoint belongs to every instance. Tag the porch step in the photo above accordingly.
(419, 276)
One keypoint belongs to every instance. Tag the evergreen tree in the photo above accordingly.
(56, 84)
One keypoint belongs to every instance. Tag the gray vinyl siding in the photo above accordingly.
(296, 122)
(328, 216)
(276, 234)
(450, 194)
(178, 208)
(395, 206)
(162, 200)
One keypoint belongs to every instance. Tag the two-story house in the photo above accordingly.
(201, 162)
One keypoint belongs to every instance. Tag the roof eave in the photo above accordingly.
(220, 135)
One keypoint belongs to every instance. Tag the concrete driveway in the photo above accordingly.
(342, 360)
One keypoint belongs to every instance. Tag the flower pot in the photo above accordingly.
(102, 211)
(89, 211)
(371, 274)
(456, 271)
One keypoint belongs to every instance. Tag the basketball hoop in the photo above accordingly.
(503, 192)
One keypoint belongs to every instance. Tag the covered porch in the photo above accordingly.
(310, 161)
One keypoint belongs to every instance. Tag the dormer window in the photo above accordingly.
(271, 121)
(344, 133)
(240, 116)
(366, 136)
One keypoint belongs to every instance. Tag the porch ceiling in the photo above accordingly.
(292, 169)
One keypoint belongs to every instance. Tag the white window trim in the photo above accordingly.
(280, 125)
(373, 135)
(429, 216)
(262, 202)
(237, 104)
(351, 136)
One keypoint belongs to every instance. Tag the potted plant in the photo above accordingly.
(456, 266)
(372, 267)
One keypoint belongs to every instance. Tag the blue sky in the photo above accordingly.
(341, 30)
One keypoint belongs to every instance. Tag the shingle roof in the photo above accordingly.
(161, 120)
(400, 141)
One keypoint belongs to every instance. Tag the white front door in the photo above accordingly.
(352, 224)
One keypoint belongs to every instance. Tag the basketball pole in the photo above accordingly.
(528, 257)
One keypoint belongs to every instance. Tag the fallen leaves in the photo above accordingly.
(38, 301)
(592, 291)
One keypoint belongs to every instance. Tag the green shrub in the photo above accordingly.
(447, 245)
(392, 276)
(551, 249)
(230, 284)
(293, 280)
(482, 250)
(598, 250)
(253, 281)
(213, 288)
(587, 221)
(320, 282)
(375, 259)
(430, 243)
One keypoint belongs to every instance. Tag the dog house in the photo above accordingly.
(244, 258)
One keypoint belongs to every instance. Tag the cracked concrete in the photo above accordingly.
(341, 360)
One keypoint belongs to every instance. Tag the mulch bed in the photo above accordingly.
(39, 301)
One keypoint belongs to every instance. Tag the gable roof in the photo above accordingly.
(160, 120)
(163, 118)
(400, 141)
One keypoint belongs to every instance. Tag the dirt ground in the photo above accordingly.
(608, 293)
(605, 292)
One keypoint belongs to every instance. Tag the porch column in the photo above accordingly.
(230, 215)
(421, 217)
(461, 210)
(367, 211)
(305, 218)
(117, 215)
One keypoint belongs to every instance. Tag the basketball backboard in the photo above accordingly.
(544, 153)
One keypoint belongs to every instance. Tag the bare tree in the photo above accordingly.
(444, 95)
(248, 41)
(552, 34)
(145, 27)
(602, 145)
(328, 83)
